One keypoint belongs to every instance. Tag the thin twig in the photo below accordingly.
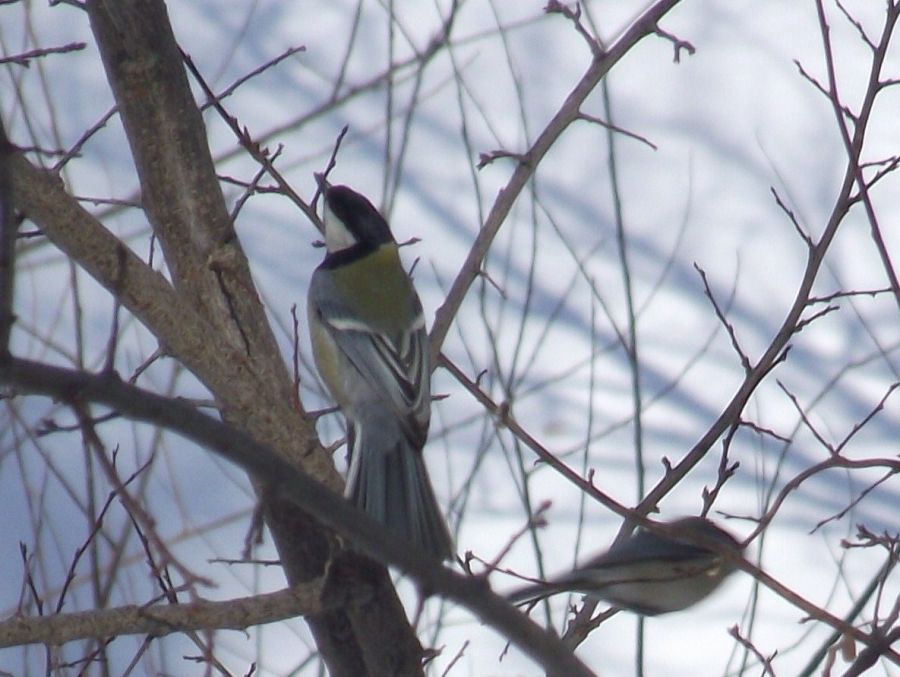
(765, 661)
(568, 112)
(253, 147)
(854, 145)
(732, 334)
(24, 59)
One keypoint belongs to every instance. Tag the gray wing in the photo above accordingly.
(396, 368)
(645, 545)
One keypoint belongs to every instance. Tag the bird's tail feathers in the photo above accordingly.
(388, 480)
(573, 582)
(533, 593)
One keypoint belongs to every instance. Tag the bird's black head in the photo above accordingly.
(351, 220)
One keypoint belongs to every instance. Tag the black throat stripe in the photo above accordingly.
(347, 256)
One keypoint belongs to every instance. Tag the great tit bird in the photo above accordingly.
(650, 573)
(371, 349)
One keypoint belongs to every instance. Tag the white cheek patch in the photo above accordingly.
(337, 236)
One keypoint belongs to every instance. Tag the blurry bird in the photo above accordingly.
(371, 349)
(650, 573)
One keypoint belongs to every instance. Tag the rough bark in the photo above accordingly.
(208, 314)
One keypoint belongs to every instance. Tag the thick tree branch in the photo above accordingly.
(8, 229)
(285, 482)
(164, 619)
(186, 334)
(210, 317)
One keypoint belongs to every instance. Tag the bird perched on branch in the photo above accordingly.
(651, 573)
(371, 349)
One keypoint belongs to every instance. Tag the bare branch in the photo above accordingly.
(854, 145)
(228, 91)
(9, 228)
(856, 501)
(256, 151)
(505, 418)
(859, 425)
(848, 294)
(567, 113)
(777, 349)
(822, 89)
(803, 234)
(745, 361)
(164, 619)
(24, 59)
(484, 159)
(677, 43)
(765, 661)
(297, 488)
(574, 15)
(322, 179)
(857, 25)
(616, 128)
